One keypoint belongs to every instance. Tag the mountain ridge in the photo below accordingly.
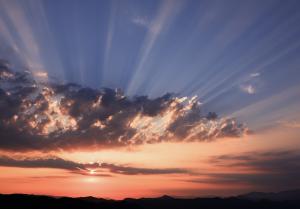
(251, 200)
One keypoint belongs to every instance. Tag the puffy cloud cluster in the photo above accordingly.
(39, 115)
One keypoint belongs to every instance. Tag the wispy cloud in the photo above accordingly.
(254, 75)
(129, 170)
(268, 170)
(289, 123)
(50, 162)
(94, 169)
(249, 89)
(140, 21)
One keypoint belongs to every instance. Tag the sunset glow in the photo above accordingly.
(120, 99)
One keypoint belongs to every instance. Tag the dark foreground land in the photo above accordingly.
(282, 200)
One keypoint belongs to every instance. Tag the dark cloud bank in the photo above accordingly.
(99, 169)
(42, 115)
(272, 170)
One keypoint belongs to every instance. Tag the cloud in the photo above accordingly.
(249, 89)
(140, 21)
(94, 169)
(48, 116)
(41, 74)
(289, 124)
(254, 75)
(52, 162)
(127, 170)
(272, 170)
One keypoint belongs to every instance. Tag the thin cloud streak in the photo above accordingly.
(249, 89)
(52, 162)
(89, 169)
(269, 170)
(128, 170)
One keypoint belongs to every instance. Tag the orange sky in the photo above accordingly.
(192, 156)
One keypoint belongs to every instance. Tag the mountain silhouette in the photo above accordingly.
(279, 196)
(254, 200)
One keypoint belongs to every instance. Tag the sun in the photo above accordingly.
(92, 172)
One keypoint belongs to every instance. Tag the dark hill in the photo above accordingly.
(248, 201)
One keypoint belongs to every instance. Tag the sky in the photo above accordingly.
(121, 99)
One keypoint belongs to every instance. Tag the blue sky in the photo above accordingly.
(240, 57)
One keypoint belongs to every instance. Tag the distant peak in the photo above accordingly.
(166, 197)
